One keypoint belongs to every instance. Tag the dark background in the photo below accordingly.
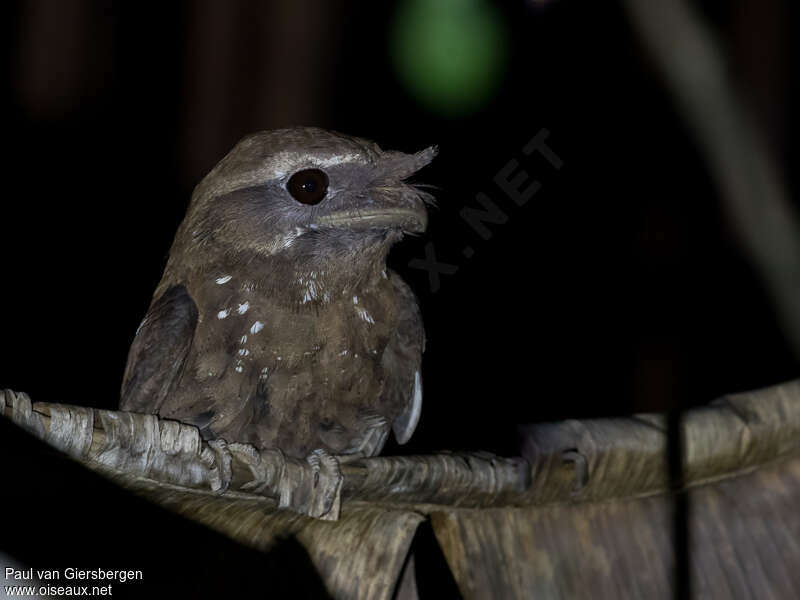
(620, 287)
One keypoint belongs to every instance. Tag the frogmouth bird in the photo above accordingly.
(276, 322)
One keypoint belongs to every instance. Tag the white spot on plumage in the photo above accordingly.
(365, 315)
(289, 238)
(311, 288)
(257, 326)
(243, 307)
(223, 314)
(223, 279)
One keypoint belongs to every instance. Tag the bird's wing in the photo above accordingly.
(401, 363)
(158, 352)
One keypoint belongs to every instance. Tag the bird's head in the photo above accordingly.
(307, 195)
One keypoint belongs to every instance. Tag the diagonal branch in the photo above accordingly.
(695, 72)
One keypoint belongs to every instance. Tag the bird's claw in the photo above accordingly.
(326, 487)
(219, 459)
(313, 487)
(376, 430)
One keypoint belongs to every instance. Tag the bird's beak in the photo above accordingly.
(412, 218)
(392, 204)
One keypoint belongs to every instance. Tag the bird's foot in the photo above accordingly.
(218, 458)
(327, 484)
(313, 488)
(375, 432)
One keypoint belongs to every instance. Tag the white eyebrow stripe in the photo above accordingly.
(337, 159)
(280, 166)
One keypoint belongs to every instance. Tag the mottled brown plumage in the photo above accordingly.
(276, 322)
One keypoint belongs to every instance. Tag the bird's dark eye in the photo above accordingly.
(308, 186)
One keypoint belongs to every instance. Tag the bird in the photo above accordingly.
(277, 322)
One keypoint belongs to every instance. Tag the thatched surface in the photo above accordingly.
(587, 513)
(168, 452)
(358, 556)
(744, 543)
(602, 459)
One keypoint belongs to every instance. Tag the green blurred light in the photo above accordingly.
(449, 53)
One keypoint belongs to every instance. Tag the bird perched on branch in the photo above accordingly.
(276, 322)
